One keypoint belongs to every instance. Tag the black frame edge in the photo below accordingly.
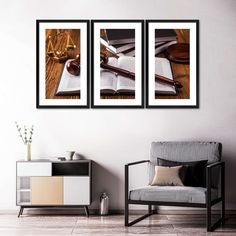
(196, 106)
(142, 61)
(38, 106)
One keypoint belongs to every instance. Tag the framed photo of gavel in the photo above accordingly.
(62, 63)
(172, 66)
(117, 63)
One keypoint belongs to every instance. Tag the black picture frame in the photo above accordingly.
(141, 105)
(38, 75)
(192, 21)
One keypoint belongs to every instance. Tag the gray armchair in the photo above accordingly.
(204, 197)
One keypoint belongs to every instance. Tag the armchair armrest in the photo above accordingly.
(127, 177)
(218, 163)
(209, 168)
(137, 162)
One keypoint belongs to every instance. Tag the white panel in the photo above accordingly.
(76, 190)
(34, 169)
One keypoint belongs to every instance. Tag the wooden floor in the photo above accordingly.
(110, 225)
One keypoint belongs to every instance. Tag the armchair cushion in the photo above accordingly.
(169, 176)
(172, 194)
(195, 172)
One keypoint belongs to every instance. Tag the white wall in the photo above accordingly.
(108, 136)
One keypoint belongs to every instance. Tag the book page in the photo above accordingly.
(108, 79)
(162, 67)
(124, 83)
(69, 84)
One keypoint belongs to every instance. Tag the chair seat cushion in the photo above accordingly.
(172, 194)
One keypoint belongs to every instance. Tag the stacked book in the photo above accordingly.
(120, 42)
(163, 39)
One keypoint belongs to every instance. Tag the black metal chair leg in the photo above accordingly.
(127, 223)
(208, 217)
(86, 211)
(150, 209)
(126, 214)
(223, 194)
(223, 212)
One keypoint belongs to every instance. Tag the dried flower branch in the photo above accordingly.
(26, 136)
(31, 134)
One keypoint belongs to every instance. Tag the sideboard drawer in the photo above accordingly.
(34, 169)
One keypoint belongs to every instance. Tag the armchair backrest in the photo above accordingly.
(184, 152)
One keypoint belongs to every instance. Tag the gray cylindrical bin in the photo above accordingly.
(104, 204)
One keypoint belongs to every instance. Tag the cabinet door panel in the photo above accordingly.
(47, 190)
(76, 190)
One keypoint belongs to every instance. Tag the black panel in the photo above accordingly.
(70, 169)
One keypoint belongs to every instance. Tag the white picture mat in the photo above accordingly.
(138, 63)
(151, 67)
(83, 60)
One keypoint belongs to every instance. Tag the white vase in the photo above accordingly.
(28, 152)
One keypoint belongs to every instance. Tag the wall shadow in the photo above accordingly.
(103, 180)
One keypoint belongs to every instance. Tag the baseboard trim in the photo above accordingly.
(80, 211)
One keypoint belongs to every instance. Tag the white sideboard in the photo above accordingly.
(53, 183)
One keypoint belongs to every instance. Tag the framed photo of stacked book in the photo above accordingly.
(62, 63)
(117, 49)
(172, 64)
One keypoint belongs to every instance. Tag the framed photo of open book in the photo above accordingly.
(172, 64)
(62, 63)
(117, 63)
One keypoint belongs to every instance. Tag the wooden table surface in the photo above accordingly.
(180, 71)
(54, 69)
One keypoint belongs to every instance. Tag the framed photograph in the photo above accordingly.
(62, 63)
(117, 63)
(172, 69)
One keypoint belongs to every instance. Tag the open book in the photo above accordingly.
(112, 83)
(69, 84)
(163, 68)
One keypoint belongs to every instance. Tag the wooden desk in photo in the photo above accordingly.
(180, 71)
(54, 69)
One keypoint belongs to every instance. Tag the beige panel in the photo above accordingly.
(47, 190)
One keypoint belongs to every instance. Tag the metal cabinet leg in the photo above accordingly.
(86, 211)
(20, 211)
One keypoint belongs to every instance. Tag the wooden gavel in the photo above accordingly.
(73, 67)
(131, 75)
(165, 80)
(123, 72)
